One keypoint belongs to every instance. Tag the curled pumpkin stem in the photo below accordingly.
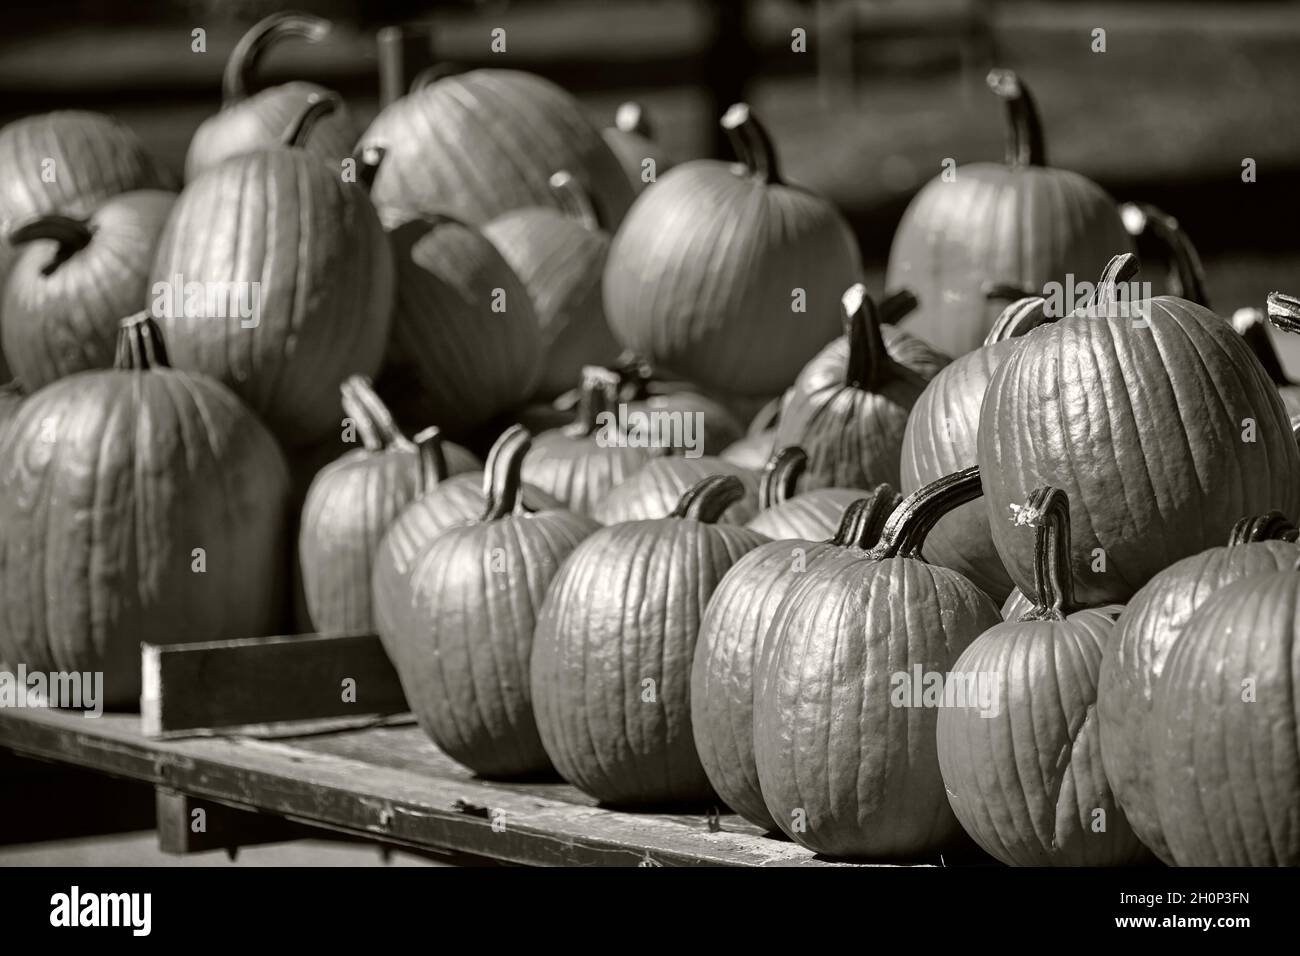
(631, 118)
(503, 472)
(1048, 512)
(140, 345)
(1121, 268)
(1025, 146)
(708, 498)
(431, 466)
(70, 236)
(1186, 274)
(869, 364)
(1019, 318)
(573, 199)
(909, 524)
(1273, 526)
(869, 518)
(241, 69)
(896, 306)
(317, 108)
(1284, 312)
(599, 396)
(781, 476)
(367, 410)
(752, 144)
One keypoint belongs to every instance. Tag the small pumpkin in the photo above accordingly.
(702, 424)
(654, 490)
(74, 281)
(1019, 224)
(295, 280)
(139, 504)
(783, 513)
(559, 255)
(250, 120)
(611, 666)
(1096, 404)
(846, 759)
(632, 140)
(730, 646)
(1019, 746)
(1139, 652)
(467, 638)
(745, 317)
(479, 144)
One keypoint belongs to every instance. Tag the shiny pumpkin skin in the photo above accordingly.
(1138, 654)
(481, 143)
(827, 739)
(102, 521)
(578, 472)
(67, 321)
(812, 515)
(1148, 483)
(653, 491)
(284, 219)
(1020, 227)
(1225, 729)
(624, 609)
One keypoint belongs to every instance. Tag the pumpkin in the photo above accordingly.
(784, 514)
(611, 666)
(1283, 311)
(579, 463)
(846, 758)
(759, 444)
(1019, 747)
(1139, 652)
(1225, 729)
(251, 121)
(139, 504)
(632, 140)
(743, 318)
(1019, 224)
(465, 642)
(559, 255)
(703, 424)
(1097, 404)
(848, 408)
(280, 231)
(730, 646)
(940, 438)
(479, 144)
(653, 491)
(465, 345)
(1150, 225)
(74, 281)
(11, 396)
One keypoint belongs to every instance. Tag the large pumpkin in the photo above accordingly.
(725, 274)
(784, 513)
(481, 143)
(1139, 651)
(139, 504)
(293, 277)
(1099, 405)
(1020, 224)
(250, 120)
(73, 283)
(730, 647)
(846, 756)
(1019, 747)
(654, 491)
(611, 667)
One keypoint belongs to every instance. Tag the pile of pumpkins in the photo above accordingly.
(982, 567)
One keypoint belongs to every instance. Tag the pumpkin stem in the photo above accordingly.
(781, 475)
(896, 306)
(368, 160)
(140, 345)
(431, 75)
(502, 474)
(1121, 268)
(634, 377)
(574, 200)
(71, 235)
(373, 419)
(432, 461)
(1273, 526)
(599, 395)
(1186, 275)
(1250, 325)
(752, 144)
(709, 498)
(919, 512)
(1025, 145)
(317, 108)
(241, 68)
(1017, 319)
(865, 531)
(1048, 513)
(1284, 312)
(630, 117)
(869, 364)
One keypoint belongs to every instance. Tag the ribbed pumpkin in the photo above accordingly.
(848, 408)
(1139, 651)
(466, 641)
(139, 504)
(783, 513)
(611, 667)
(73, 283)
(632, 140)
(1225, 731)
(726, 275)
(580, 463)
(251, 121)
(1019, 224)
(730, 648)
(559, 254)
(1098, 404)
(653, 491)
(1019, 746)
(481, 143)
(941, 437)
(843, 769)
(465, 343)
(283, 219)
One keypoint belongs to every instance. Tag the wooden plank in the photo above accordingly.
(188, 824)
(258, 685)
